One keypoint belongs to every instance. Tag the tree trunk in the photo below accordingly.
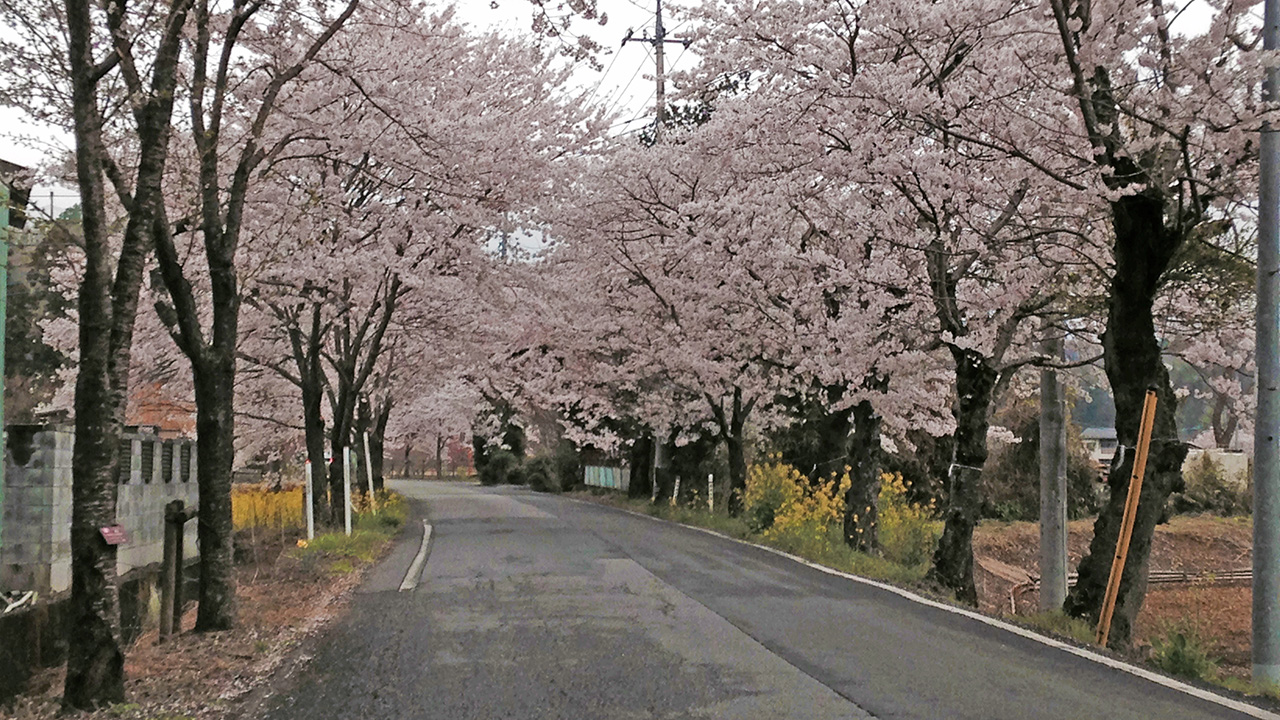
(479, 453)
(336, 483)
(736, 445)
(953, 560)
(1131, 354)
(95, 660)
(733, 431)
(362, 426)
(107, 311)
(408, 450)
(439, 456)
(861, 512)
(215, 455)
(641, 467)
(378, 443)
(312, 395)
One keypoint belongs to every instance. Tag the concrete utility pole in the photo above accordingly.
(4, 297)
(1053, 483)
(658, 41)
(1266, 463)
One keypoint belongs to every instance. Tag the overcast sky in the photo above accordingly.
(625, 84)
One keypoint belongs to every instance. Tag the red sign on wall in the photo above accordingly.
(114, 534)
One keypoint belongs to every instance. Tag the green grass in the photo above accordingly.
(1056, 622)
(337, 553)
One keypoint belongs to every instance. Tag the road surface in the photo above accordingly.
(536, 606)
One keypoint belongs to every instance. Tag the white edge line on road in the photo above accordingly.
(415, 568)
(1157, 678)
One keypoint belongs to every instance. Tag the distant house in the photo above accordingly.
(1101, 444)
(14, 178)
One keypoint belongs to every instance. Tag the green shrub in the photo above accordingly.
(498, 467)
(1011, 476)
(1181, 653)
(541, 474)
(908, 532)
(568, 466)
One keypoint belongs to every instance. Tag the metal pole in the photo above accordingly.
(346, 488)
(1053, 484)
(660, 66)
(309, 494)
(1266, 463)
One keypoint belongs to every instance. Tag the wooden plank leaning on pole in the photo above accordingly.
(1130, 515)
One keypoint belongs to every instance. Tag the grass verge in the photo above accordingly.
(832, 552)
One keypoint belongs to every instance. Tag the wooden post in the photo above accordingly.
(175, 518)
(1130, 515)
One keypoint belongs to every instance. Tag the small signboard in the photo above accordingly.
(114, 534)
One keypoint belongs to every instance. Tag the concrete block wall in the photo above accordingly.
(35, 534)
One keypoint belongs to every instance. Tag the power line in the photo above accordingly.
(600, 82)
(613, 103)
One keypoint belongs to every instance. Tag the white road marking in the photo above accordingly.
(415, 568)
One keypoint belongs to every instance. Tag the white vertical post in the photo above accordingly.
(346, 487)
(711, 492)
(653, 473)
(368, 472)
(675, 493)
(309, 499)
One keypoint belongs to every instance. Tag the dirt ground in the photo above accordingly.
(280, 603)
(1218, 613)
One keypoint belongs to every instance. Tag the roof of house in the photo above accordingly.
(1098, 433)
(7, 168)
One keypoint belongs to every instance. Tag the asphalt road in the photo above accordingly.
(535, 606)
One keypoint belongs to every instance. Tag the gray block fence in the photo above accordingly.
(35, 527)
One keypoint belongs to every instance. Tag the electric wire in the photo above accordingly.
(614, 103)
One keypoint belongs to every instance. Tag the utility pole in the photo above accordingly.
(4, 293)
(658, 41)
(1053, 480)
(1266, 443)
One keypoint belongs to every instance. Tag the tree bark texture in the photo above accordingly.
(337, 475)
(378, 443)
(1131, 354)
(215, 453)
(953, 559)
(861, 513)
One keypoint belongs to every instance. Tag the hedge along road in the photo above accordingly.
(535, 606)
